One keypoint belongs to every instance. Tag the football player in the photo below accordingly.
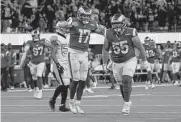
(80, 29)
(175, 59)
(152, 54)
(166, 63)
(61, 73)
(121, 42)
(36, 47)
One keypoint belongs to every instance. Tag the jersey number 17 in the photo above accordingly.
(84, 35)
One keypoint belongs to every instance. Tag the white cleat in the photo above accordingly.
(30, 90)
(39, 94)
(146, 86)
(35, 92)
(176, 83)
(152, 86)
(126, 108)
(12, 87)
(94, 84)
(72, 106)
(46, 86)
(78, 107)
(89, 90)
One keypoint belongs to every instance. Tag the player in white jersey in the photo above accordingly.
(59, 53)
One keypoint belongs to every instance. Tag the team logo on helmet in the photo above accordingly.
(84, 14)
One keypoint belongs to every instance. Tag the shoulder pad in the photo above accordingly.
(131, 32)
(29, 42)
(69, 20)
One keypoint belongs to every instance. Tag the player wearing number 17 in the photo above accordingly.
(36, 47)
(80, 29)
(121, 42)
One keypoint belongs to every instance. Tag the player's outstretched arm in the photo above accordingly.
(64, 24)
(27, 47)
(105, 52)
(137, 43)
(101, 30)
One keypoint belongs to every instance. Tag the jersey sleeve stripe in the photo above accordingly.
(134, 32)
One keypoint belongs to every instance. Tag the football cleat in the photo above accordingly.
(126, 108)
(72, 106)
(39, 94)
(35, 92)
(152, 86)
(79, 108)
(52, 104)
(63, 108)
(89, 90)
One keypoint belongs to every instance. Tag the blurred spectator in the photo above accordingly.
(12, 61)
(143, 14)
(162, 17)
(50, 15)
(4, 68)
(6, 16)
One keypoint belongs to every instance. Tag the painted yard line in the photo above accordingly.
(93, 105)
(101, 87)
(93, 96)
(100, 96)
(37, 112)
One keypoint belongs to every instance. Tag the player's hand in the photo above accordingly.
(60, 68)
(145, 64)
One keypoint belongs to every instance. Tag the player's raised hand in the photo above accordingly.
(60, 68)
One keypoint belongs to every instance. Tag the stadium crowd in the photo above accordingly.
(20, 16)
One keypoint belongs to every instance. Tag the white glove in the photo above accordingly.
(145, 64)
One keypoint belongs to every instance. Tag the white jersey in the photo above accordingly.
(61, 50)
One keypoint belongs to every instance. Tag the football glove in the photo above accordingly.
(145, 64)
(60, 68)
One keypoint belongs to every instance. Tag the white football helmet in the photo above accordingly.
(84, 14)
(119, 22)
(35, 35)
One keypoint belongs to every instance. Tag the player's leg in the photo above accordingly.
(81, 84)
(117, 73)
(40, 70)
(175, 67)
(74, 66)
(149, 75)
(66, 83)
(129, 68)
(33, 71)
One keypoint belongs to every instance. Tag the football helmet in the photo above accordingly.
(147, 40)
(54, 40)
(35, 35)
(119, 22)
(177, 44)
(84, 14)
(153, 43)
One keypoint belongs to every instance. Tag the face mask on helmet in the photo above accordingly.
(35, 36)
(118, 23)
(84, 14)
(118, 27)
(54, 40)
(147, 41)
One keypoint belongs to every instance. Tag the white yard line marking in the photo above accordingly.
(11, 105)
(102, 87)
(93, 96)
(39, 112)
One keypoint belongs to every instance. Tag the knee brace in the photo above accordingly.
(127, 83)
